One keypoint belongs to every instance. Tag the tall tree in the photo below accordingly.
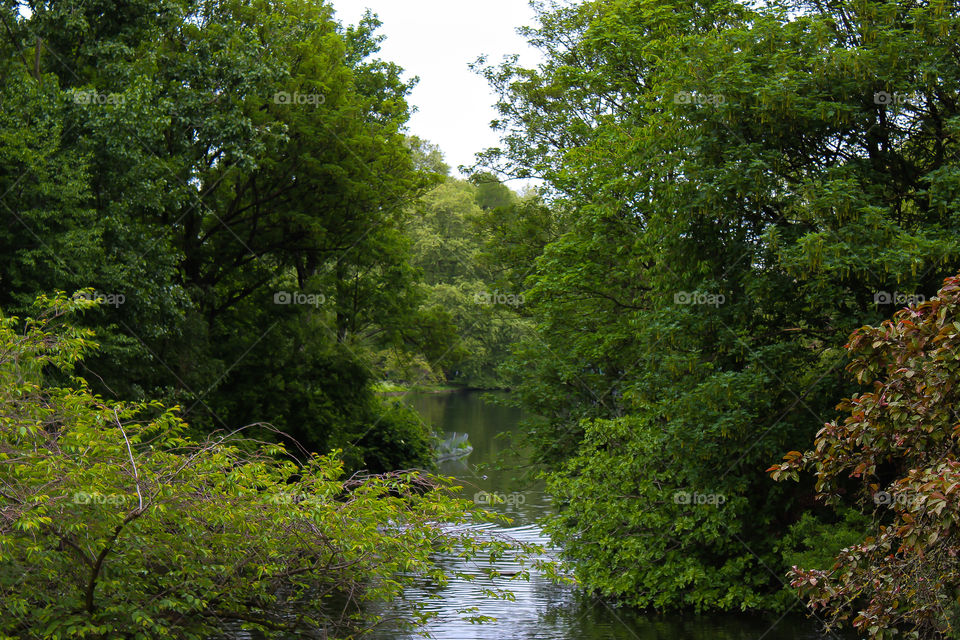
(743, 194)
(463, 288)
(238, 172)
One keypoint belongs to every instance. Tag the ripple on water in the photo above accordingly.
(542, 609)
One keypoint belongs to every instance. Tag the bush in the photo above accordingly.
(113, 524)
(894, 456)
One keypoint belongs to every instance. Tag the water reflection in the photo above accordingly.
(542, 609)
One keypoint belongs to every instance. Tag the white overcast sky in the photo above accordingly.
(436, 40)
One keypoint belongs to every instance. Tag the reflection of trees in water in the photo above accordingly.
(542, 609)
(589, 618)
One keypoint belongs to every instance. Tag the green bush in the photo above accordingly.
(113, 524)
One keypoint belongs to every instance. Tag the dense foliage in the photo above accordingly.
(894, 456)
(467, 283)
(742, 187)
(230, 178)
(113, 524)
(725, 193)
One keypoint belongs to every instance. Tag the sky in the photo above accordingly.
(436, 40)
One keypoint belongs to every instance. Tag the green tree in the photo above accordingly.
(463, 288)
(741, 195)
(206, 162)
(491, 193)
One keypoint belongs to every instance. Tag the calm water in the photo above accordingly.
(543, 609)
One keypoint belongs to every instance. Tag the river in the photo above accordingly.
(543, 609)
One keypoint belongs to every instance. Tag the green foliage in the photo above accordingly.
(894, 457)
(490, 192)
(201, 165)
(815, 540)
(397, 435)
(113, 524)
(736, 195)
(650, 540)
(470, 316)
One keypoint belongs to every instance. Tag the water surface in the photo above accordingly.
(543, 609)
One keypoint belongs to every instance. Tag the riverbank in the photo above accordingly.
(388, 388)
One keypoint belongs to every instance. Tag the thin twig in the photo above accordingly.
(136, 475)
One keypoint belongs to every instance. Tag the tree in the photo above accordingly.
(463, 287)
(113, 524)
(209, 165)
(739, 195)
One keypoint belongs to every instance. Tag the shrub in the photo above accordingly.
(895, 456)
(114, 524)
